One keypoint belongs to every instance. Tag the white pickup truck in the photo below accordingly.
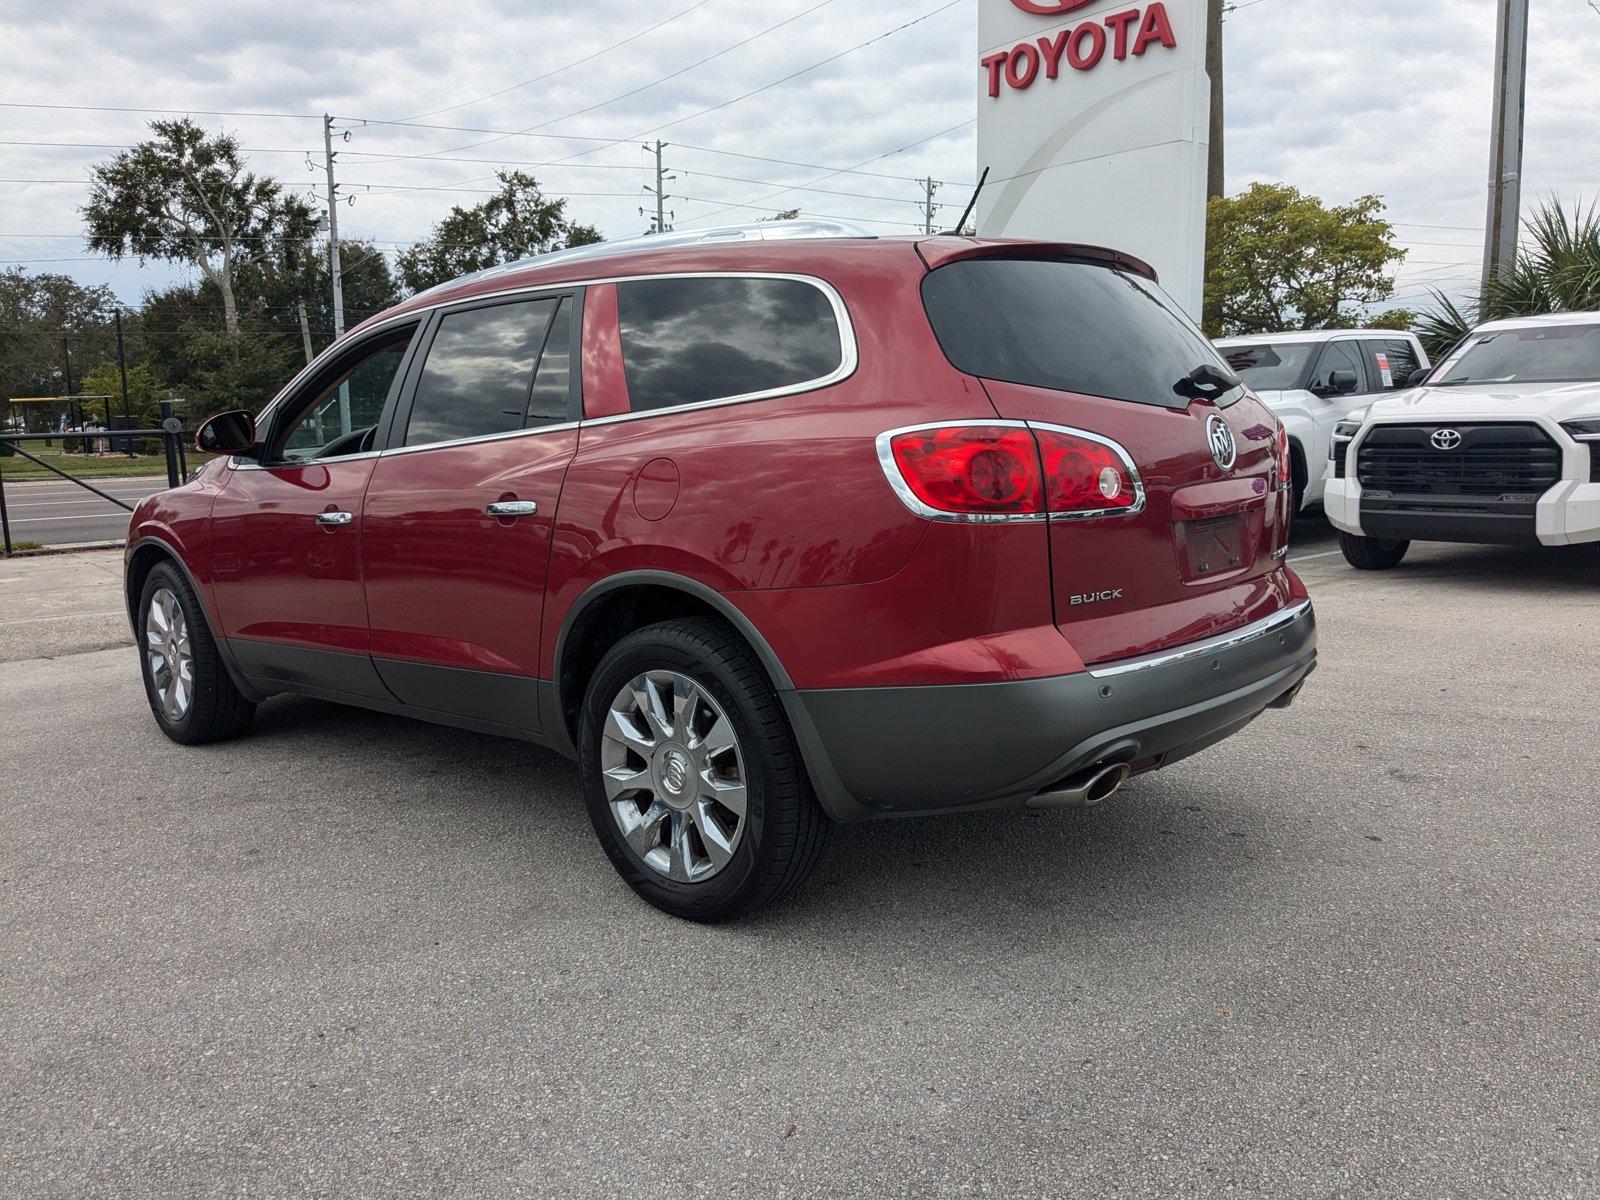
(1315, 379)
(1499, 444)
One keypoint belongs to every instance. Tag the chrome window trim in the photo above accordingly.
(505, 435)
(848, 350)
(1226, 641)
(891, 471)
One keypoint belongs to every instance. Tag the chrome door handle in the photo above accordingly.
(512, 508)
(335, 518)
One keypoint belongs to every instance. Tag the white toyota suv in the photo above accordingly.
(1314, 379)
(1499, 444)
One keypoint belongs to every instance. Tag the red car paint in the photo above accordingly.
(779, 506)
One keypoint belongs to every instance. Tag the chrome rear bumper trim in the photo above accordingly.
(1226, 641)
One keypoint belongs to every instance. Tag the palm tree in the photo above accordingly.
(1557, 269)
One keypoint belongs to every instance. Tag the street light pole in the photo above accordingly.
(1505, 149)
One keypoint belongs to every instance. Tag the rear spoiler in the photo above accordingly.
(948, 248)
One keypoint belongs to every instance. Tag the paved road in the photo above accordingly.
(58, 512)
(1354, 950)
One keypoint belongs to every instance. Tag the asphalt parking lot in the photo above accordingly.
(1354, 950)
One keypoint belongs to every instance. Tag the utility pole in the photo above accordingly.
(305, 329)
(122, 370)
(1505, 148)
(1216, 184)
(930, 185)
(333, 229)
(659, 224)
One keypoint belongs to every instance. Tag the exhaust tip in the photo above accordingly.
(1107, 783)
(1085, 789)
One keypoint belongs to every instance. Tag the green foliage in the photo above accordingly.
(1557, 269)
(516, 222)
(35, 310)
(1391, 318)
(185, 196)
(788, 214)
(1277, 259)
(145, 392)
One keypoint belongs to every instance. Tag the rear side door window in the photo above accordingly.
(1391, 362)
(694, 339)
(1339, 356)
(479, 375)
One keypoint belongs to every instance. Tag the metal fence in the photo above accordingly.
(172, 437)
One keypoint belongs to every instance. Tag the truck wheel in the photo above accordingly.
(691, 773)
(1371, 554)
(190, 693)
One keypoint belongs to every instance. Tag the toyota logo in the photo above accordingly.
(1220, 438)
(1050, 8)
(1446, 439)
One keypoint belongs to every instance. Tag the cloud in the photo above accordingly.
(1339, 97)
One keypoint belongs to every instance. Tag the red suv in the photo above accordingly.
(762, 527)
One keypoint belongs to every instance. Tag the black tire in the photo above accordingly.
(784, 829)
(217, 710)
(1371, 554)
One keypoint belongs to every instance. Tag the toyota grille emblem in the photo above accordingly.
(1220, 438)
(1446, 439)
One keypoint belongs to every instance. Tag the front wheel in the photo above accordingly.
(691, 773)
(190, 693)
(1372, 554)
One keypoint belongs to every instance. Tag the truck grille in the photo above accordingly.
(1490, 460)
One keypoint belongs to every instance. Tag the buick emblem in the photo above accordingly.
(1446, 439)
(1220, 438)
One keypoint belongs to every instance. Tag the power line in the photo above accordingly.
(567, 67)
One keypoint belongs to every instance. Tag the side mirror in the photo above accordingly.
(227, 433)
(1418, 377)
(1342, 381)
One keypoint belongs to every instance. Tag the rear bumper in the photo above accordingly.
(1567, 514)
(899, 751)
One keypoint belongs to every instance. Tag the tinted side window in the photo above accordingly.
(1339, 356)
(706, 338)
(552, 383)
(479, 372)
(1391, 363)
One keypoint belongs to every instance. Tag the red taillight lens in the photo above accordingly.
(971, 469)
(1285, 469)
(1084, 475)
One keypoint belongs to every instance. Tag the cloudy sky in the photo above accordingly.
(1338, 97)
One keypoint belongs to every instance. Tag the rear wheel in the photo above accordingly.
(1372, 554)
(691, 774)
(190, 693)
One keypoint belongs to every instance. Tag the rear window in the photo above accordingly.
(1072, 326)
(709, 337)
(1270, 366)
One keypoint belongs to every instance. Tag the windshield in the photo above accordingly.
(1547, 354)
(1273, 367)
(1070, 326)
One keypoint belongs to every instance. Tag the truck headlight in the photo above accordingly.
(1585, 429)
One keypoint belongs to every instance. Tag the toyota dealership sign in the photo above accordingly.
(1093, 120)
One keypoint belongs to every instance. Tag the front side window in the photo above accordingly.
(1069, 326)
(1270, 366)
(1342, 357)
(1544, 354)
(699, 338)
(478, 376)
(341, 417)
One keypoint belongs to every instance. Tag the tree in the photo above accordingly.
(35, 312)
(368, 282)
(518, 221)
(1277, 259)
(788, 214)
(1557, 269)
(186, 197)
(145, 392)
(1390, 318)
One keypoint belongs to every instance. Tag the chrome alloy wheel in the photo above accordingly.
(674, 776)
(170, 653)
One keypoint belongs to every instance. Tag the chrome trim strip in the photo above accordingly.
(1226, 641)
(532, 430)
(891, 471)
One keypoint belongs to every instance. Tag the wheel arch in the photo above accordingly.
(144, 556)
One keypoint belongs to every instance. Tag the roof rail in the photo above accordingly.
(760, 231)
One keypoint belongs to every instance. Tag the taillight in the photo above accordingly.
(1085, 474)
(1285, 469)
(976, 471)
(1009, 471)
